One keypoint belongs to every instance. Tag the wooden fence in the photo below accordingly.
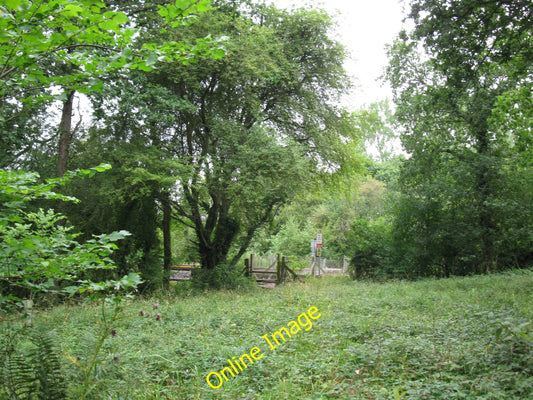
(182, 272)
(273, 270)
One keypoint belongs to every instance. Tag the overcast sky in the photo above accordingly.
(365, 27)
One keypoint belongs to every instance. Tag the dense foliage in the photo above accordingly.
(223, 124)
(462, 84)
(219, 146)
(38, 252)
(51, 49)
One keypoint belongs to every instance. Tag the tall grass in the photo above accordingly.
(459, 338)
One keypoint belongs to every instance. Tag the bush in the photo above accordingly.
(38, 252)
(371, 249)
(223, 276)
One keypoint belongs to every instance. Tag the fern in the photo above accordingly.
(47, 367)
(16, 375)
(19, 378)
(33, 373)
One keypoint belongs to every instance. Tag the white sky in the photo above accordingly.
(364, 27)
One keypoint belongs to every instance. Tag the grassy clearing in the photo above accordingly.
(460, 338)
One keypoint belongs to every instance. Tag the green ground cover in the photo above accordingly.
(459, 338)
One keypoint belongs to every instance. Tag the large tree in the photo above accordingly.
(448, 75)
(247, 131)
(258, 119)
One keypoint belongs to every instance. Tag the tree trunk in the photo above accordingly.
(167, 250)
(216, 243)
(485, 177)
(65, 134)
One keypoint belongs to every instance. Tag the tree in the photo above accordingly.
(68, 45)
(257, 113)
(376, 123)
(452, 219)
(248, 130)
(64, 47)
(127, 197)
(227, 141)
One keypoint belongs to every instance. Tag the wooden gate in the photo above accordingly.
(276, 273)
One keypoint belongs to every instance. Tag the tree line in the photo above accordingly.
(223, 126)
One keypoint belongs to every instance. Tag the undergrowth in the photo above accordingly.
(459, 338)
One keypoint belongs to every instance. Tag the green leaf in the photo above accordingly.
(114, 236)
(71, 290)
(109, 25)
(163, 11)
(71, 10)
(142, 67)
(102, 167)
(204, 5)
(120, 17)
(151, 59)
(13, 4)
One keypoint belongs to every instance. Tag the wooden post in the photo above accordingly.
(278, 270)
(286, 270)
(251, 266)
(345, 264)
(247, 267)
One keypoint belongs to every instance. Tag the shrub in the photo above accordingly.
(223, 276)
(371, 249)
(39, 253)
